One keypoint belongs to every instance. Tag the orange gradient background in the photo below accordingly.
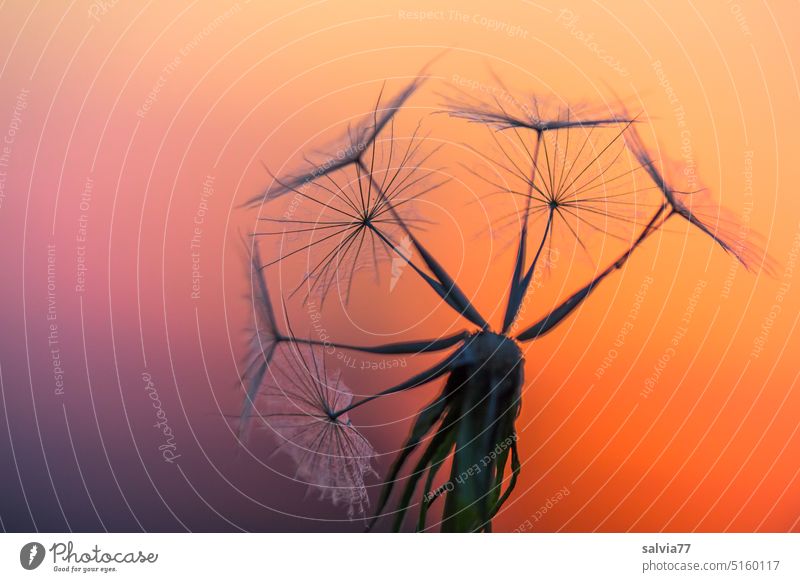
(713, 447)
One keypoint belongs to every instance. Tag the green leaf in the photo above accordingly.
(426, 420)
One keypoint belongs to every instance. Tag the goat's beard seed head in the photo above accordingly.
(579, 174)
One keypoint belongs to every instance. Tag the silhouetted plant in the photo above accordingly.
(576, 172)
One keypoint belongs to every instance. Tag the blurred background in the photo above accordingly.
(133, 133)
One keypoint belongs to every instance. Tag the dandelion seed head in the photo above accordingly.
(344, 153)
(298, 401)
(531, 112)
(352, 219)
(700, 209)
(573, 177)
